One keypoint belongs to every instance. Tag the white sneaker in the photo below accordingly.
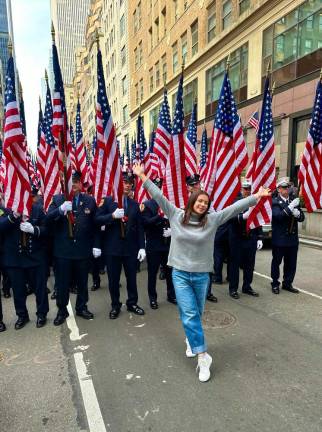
(189, 353)
(204, 363)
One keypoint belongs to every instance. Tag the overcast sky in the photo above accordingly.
(31, 27)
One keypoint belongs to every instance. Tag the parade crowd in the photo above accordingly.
(77, 237)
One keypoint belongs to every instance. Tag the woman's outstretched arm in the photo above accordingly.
(167, 207)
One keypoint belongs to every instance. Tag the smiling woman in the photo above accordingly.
(32, 42)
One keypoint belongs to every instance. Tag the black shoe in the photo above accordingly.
(234, 295)
(96, 286)
(54, 295)
(114, 313)
(212, 298)
(154, 305)
(251, 292)
(2, 327)
(290, 289)
(275, 289)
(6, 295)
(172, 300)
(137, 310)
(162, 275)
(85, 313)
(60, 318)
(21, 322)
(41, 321)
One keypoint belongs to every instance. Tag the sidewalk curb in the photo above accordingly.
(311, 243)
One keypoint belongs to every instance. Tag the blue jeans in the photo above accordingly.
(191, 290)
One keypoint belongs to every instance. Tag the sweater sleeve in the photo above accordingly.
(222, 216)
(168, 208)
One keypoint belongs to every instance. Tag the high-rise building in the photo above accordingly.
(4, 33)
(69, 19)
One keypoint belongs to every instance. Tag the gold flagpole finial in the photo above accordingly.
(268, 69)
(52, 32)
(39, 102)
(182, 65)
(164, 83)
(10, 48)
(46, 76)
(20, 90)
(97, 38)
(228, 63)
(273, 88)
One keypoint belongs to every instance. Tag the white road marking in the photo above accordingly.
(300, 289)
(91, 405)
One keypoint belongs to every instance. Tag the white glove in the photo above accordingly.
(16, 215)
(103, 228)
(296, 213)
(141, 255)
(97, 252)
(294, 203)
(118, 214)
(66, 207)
(245, 216)
(259, 244)
(27, 227)
(166, 232)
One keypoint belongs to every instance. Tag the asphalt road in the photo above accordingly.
(266, 372)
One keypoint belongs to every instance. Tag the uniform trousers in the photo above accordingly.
(289, 255)
(242, 255)
(37, 276)
(65, 271)
(154, 259)
(5, 281)
(96, 267)
(114, 265)
(221, 251)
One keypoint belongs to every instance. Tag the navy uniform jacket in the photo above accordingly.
(284, 224)
(113, 243)
(154, 224)
(15, 254)
(238, 230)
(85, 234)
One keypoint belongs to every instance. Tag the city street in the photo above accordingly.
(131, 374)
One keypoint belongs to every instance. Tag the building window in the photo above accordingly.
(124, 86)
(185, 4)
(243, 6)
(211, 22)
(150, 39)
(135, 22)
(156, 31)
(151, 79)
(175, 10)
(157, 74)
(163, 21)
(226, 14)
(194, 38)
(238, 74)
(137, 97)
(136, 58)
(141, 90)
(122, 26)
(190, 92)
(125, 113)
(184, 47)
(294, 43)
(175, 57)
(140, 53)
(164, 68)
(154, 117)
(139, 15)
(123, 56)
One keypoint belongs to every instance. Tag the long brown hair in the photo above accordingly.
(189, 209)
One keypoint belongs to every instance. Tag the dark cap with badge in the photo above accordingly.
(76, 176)
(193, 179)
(128, 177)
(34, 190)
(246, 184)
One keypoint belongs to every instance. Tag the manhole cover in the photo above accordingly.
(213, 319)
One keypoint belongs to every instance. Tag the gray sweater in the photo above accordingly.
(191, 246)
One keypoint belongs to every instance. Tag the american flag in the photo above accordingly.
(144, 158)
(310, 172)
(228, 154)
(156, 171)
(108, 174)
(264, 163)
(41, 148)
(203, 155)
(60, 126)
(40, 117)
(254, 120)
(250, 169)
(133, 151)
(80, 151)
(163, 133)
(191, 144)
(17, 191)
(174, 185)
(2, 168)
(51, 179)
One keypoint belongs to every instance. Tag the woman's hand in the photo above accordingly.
(138, 170)
(262, 192)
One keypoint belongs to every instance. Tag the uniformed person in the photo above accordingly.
(123, 244)
(286, 214)
(158, 237)
(193, 185)
(243, 245)
(24, 257)
(73, 250)
(2, 213)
